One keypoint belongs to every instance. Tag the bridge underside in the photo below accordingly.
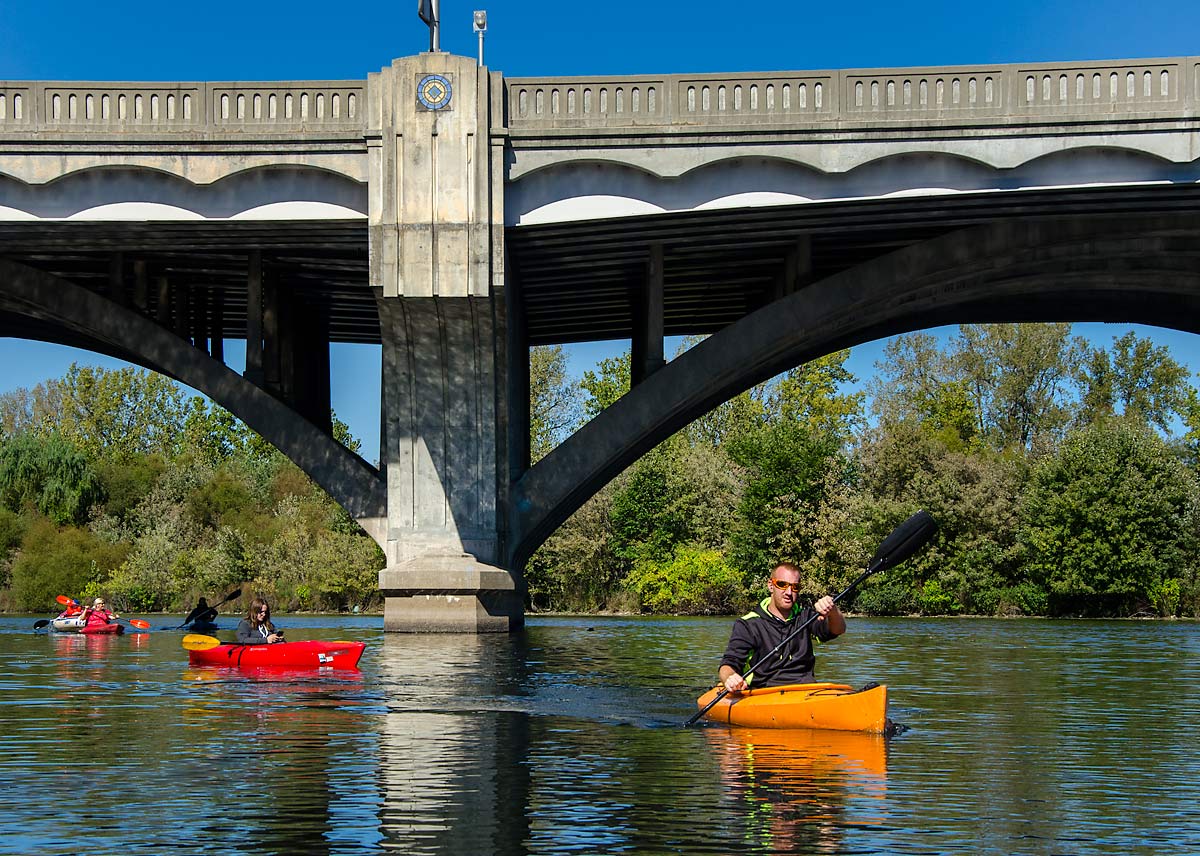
(578, 281)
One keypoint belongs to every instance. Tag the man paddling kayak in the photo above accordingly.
(766, 626)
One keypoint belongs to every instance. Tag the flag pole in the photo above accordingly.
(429, 11)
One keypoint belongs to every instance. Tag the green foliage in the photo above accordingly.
(211, 433)
(341, 432)
(12, 530)
(123, 412)
(59, 560)
(307, 566)
(1024, 598)
(645, 522)
(932, 599)
(1108, 519)
(604, 387)
(884, 597)
(47, 474)
(695, 581)
(1019, 375)
(576, 568)
(182, 500)
(810, 396)
(1164, 597)
(225, 495)
(785, 465)
(554, 401)
(126, 484)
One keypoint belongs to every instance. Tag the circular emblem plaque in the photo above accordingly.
(434, 91)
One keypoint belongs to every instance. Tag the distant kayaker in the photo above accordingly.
(98, 614)
(202, 614)
(767, 625)
(256, 628)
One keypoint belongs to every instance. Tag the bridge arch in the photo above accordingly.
(69, 314)
(590, 189)
(1143, 269)
(165, 195)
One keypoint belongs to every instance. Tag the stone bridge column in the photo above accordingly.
(436, 231)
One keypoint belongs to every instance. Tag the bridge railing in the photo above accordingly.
(1089, 90)
(953, 95)
(291, 107)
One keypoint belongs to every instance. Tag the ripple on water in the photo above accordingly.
(1025, 737)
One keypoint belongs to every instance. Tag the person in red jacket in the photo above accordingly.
(98, 614)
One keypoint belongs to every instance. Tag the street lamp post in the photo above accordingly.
(480, 29)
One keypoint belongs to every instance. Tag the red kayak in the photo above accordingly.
(313, 654)
(113, 629)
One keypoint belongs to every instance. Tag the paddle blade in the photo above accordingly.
(236, 593)
(138, 623)
(40, 623)
(64, 600)
(200, 642)
(910, 536)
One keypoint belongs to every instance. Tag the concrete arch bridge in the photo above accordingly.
(456, 217)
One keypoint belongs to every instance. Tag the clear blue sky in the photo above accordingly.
(262, 40)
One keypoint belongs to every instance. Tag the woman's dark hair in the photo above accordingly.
(252, 615)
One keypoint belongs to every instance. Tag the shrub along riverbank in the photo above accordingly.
(1063, 476)
(116, 482)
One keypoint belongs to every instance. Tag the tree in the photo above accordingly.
(39, 410)
(603, 387)
(211, 432)
(1018, 375)
(121, 412)
(575, 569)
(693, 581)
(60, 560)
(918, 382)
(554, 401)
(785, 466)
(743, 413)
(1139, 380)
(50, 475)
(810, 394)
(1109, 520)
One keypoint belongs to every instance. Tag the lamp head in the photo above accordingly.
(480, 20)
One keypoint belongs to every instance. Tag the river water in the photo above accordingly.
(1022, 736)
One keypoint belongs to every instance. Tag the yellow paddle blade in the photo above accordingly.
(200, 642)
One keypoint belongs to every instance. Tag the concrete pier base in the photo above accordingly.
(449, 594)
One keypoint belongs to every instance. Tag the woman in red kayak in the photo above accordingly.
(98, 615)
(256, 628)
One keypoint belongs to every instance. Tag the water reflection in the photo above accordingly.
(798, 789)
(443, 754)
(295, 753)
(1026, 737)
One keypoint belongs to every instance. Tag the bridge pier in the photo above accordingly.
(436, 145)
(443, 436)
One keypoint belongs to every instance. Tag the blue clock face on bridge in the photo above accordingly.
(434, 91)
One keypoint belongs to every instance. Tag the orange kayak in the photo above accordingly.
(835, 706)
